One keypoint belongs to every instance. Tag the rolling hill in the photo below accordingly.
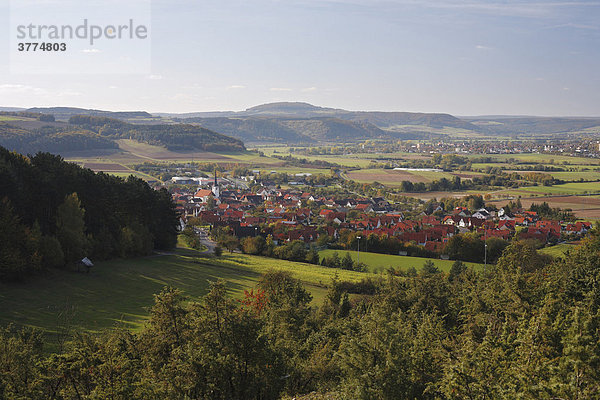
(64, 113)
(289, 130)
(29, 133)
(305, 123)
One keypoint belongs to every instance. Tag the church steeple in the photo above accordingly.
(215, 188)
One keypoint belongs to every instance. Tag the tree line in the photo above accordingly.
(53, 213)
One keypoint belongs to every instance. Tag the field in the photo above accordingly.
(567, 188)
(585, 207)
(11, 118)
(536, 158)
(557, 250)
(392, 177)
(378, 263)
(121, 291)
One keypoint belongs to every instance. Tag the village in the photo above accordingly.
(290, 214)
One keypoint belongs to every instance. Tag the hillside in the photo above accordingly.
(304, 123)
(28, 133)
(49, 138)
(507, 125)
(64, 113)
(251, 129)
(296, 122)
(176, 137)
(289, 130)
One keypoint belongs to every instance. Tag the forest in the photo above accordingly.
(54, 213)
(527, 328)
(176, 137)
(29, 133)
(51, 139)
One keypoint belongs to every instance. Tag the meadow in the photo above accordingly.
(120, 292)
(558, 250)
(378, 263)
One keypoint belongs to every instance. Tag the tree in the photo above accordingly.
(253, 245)
(70, 229)
(429, 268)
(211, 203)
(312, 257)
(456, 270)
(19, 254)
(230, 242)
(347, 262)
(51, 252)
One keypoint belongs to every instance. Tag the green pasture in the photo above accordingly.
(121, 291)
(378, 263)
(558, 250)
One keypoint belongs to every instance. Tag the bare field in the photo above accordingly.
(385, 176)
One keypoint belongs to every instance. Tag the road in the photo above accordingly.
(206, 240)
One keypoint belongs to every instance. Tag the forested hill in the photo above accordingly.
(29, 132)
(176, 137)
(54, 213)
(305, 123)
(64, 113)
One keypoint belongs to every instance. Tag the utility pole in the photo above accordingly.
(484, 248)
(358, 251)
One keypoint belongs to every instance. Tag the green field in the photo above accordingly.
(538, 158)
(121, 291)
(557, 250)
(378, 263)
(567, 188)
(11, 118)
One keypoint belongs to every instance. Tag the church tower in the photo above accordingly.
(215, 188)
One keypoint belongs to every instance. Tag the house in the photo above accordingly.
(481, 214)
(364, 207)
(203, 195)
(324, 213)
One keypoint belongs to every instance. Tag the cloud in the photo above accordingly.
(280, 89)
(309, 89)
(235, 87)
(10, 88)
(90, 51)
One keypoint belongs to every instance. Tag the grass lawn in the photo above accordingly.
(121, 291)
(380, 262)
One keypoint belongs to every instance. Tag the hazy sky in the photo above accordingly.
(461, 57)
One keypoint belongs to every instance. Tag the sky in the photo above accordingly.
(452, 56)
